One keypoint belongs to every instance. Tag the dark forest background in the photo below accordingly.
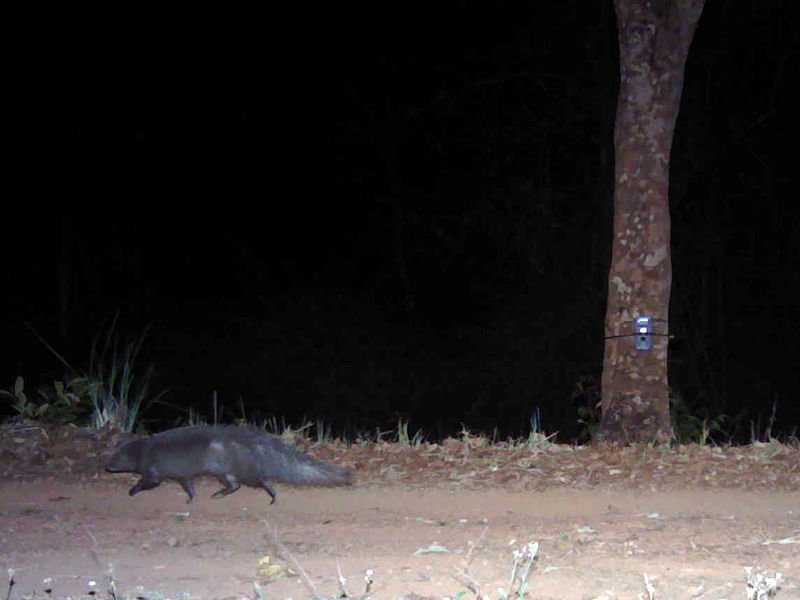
(369, 213)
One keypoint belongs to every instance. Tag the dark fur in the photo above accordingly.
(234, 455)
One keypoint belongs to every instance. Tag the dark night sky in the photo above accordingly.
(379, 211)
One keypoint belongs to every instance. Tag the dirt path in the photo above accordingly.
(592, 543)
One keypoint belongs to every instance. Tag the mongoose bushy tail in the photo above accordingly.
(236, 456)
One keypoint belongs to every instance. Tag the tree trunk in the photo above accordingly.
(654, 39)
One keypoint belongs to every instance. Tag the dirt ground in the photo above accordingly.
(426, 522)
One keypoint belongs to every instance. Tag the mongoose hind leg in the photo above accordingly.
(230, 483)
(142, 485)
(265, 484)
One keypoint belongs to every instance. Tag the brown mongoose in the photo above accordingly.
(234, 455)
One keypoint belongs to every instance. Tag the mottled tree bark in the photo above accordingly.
(654, 39)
